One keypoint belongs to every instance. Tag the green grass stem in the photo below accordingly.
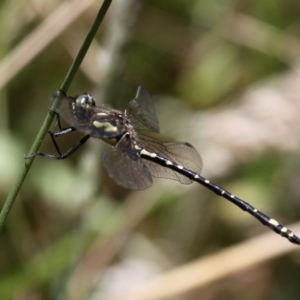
(50, 116)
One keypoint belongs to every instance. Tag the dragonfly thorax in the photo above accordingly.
(111, 126)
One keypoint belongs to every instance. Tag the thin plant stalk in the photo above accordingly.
(50, 116)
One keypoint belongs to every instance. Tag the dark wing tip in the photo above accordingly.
(189, 145)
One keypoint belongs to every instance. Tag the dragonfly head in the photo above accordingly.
(85, 101)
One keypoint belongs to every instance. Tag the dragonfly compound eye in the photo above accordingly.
(85, 101)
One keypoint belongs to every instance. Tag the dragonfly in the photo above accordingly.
(135, 158)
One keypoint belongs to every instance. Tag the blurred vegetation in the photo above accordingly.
(73, 233)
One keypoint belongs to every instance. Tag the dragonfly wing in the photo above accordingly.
(127, 169)
(182, 154)
(75, 116)
(141, 111)
(186, 155)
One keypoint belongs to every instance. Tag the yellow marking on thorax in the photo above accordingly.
(107, 126)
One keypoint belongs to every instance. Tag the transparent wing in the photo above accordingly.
(126, 171)
(141, 111)
(65, 109)
(183, 154)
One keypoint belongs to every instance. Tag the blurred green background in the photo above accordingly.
(224, 76)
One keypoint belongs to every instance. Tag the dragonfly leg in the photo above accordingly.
(54, 135)
(61, 131)
(67, 154)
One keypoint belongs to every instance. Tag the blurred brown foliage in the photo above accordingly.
(224, 76)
